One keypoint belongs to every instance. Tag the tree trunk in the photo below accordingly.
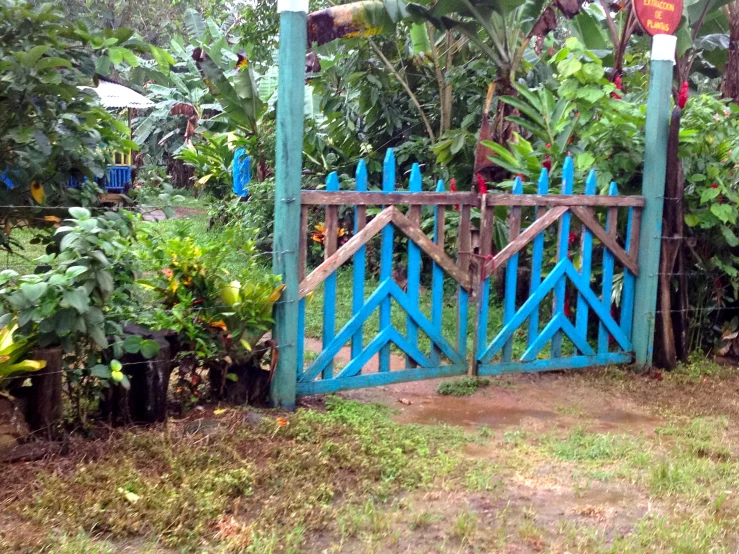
(665, 349)
(45, 398)
(730, 79)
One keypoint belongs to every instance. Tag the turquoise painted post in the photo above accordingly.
(360, 214)
(329, 293)
(288, 171)
(386, 257)
(608, 261)
(653, 187)
(414, 268)
(537, 259)
(437, 275)
(586, 265)
(560, 292)
(511, 276)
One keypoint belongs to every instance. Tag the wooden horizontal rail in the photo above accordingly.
(354, 198)
(323, 198)
(564, 200)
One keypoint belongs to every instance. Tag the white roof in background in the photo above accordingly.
(113, 95)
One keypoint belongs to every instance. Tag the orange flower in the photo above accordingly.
(281, 422)
(52, 219)
(168, 273)
(220, 324)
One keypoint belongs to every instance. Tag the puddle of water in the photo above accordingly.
(467, 413)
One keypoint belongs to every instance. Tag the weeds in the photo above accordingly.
(466, 386)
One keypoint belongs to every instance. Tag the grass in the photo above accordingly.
(250, 487)
(348, 479)
(466, 386)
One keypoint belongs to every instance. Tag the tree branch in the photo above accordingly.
(407, 89)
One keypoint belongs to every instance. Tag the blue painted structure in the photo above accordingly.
(241, 173)
(559, 283)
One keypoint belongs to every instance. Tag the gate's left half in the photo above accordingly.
(390, 300)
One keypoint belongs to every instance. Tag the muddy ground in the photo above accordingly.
(589, 461)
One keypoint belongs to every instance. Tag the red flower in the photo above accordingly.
(482, 188)
(682, 97)
(714, 186)
(572, 238)
(548, 146)
(520, 176)
(547, 163)
(617, 82)
(453, 188)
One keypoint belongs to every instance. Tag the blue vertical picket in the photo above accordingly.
(560, 291)
(586, 264)
(437, 274)
(511, 274)
(359, 260)
(329, 291)
(414, 268)
(301, 337)
(627, 293)
(537, 259)
(386, 257)
(608, 261)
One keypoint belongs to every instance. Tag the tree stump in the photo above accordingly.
(146, 401)
(45, 396)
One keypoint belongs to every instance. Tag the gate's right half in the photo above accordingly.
(565, 278)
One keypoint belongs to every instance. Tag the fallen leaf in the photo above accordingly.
(405, 401)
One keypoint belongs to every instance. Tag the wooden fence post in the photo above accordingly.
(653, 186)
(288, 170)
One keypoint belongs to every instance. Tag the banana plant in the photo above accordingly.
(12, 353)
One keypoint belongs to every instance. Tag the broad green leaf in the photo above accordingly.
(33, 291)
(132, 344)
(77, 299)
(46, 63)
(194, 24)
(149, 349)
(29, 59)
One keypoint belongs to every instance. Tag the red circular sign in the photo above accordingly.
(659, 17)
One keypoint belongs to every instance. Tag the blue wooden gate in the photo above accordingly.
(420, 330)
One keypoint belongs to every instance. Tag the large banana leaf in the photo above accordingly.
(239, 100)
(356, 19)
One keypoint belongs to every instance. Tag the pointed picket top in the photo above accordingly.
(332, 182)
(388, 171)
(517, 186)
(416, 182)
(591, 183)
(543, 181)
(361, 175)
(440, 186)
(568, 176)
(613, 189)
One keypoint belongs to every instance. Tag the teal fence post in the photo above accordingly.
(653, 187)
(288, 170)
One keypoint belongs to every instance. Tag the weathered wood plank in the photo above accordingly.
(520, 242)
(434, 251)
(608, 241)
(563, 200)
(341, 256)
(350, 198)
